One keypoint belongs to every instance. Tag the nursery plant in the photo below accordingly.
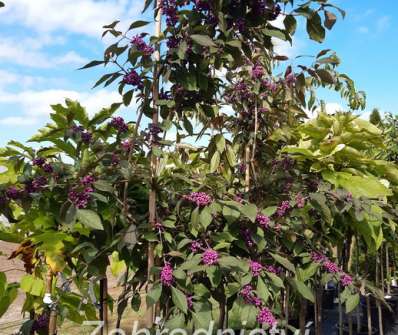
(221, 200)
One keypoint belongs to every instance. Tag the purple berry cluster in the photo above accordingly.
(331, 267)
(195, 246)
(166, 275)
(40, 323)
(283, 208)
(318, 257)
(169, 8)
(189, 301)
(153, 133)
(141, 46)
(265, 316)
(300, 201)
(119, 124)
(269, 85)
(202, 5)
(248, 295)
(88, 180)
(133, 78)
(247, 237)
(173, 42)
(13, 193)
(36, 184)
(255, 268)
(199, 198)
(158, 226)
(210, 257)
(257, 71)
(127, 145)
(84, 135)
(79, 196)
(345, 280)
(263, 220)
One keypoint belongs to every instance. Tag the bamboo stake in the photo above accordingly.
(356, 273)
(368, 311)
(381, 331)
(286, 306)
(388, 274)
(52, 322)
(154, 160)
(302, 316)
(369, 315)
(104, 305)
(247, 168)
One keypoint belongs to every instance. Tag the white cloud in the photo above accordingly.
(35, 105)
(27, 52)
(21, 81)
(79, 16)
(383, 23)
(363, 29)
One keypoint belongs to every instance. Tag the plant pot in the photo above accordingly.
(328, 296)
(363, 329)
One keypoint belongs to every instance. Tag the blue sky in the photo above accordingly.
(43, 42)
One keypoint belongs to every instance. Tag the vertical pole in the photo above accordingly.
(52, 322)
(247, 168)
(358, 315)
(388, 274)
(154, 160)
(381, 331)
(104, 305)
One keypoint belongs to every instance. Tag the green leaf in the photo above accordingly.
(136, 302)
(205, 217)
(285, 262)
(231, 157)
(203, 40)
(235, 44)
(352, 301)
(1, 4)
(250, 211)
(290, 24)
(215, 162)
(262, 290)
(315, 29)
(154, 294)
(304, 290)
(92, 63)
(117, 266)
(138, 24)
(220, 142)
(179, 299)
(89, 219)
(275, 279)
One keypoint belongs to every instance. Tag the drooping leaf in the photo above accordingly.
(179, 299)
(203, 40)
(315, 29)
